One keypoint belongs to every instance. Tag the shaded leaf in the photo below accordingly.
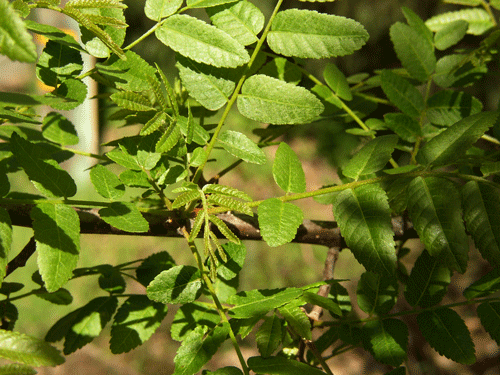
(152, 266)
(447, 107)
(485, 286)
(132, 101)
(268, 336)
(287, 170)
(5, 241)
(297, 319)
(106, 183)
(387, 340)
(281, 366)
(179, 284)
(283, 70)
(376, 294)
(489, 313)
(57, 63)
(59, 297)
(59, 129)
(455, 70)
(406, 127)
(158, 9)
(402, 93)
(192, 315)
(279, 221)
(68, 95)
(124, 216)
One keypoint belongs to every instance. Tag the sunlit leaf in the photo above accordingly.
(106, 183)
(479, 20)
(15, 42)
(279, 221)
(239, 145)
(287, 170)
(387, 340)
(179, 284)
(124, 216)
(158, 9)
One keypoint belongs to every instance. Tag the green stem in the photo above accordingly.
(216, 300)
(236, 92)
(143, 36)
(84, 153)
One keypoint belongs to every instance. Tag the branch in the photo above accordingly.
(166, 224)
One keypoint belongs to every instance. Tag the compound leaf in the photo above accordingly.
(337, 81)
(486, 285)
(447, 107)
(57, 233)
(309, 34)
(479, 20)
(297, 319)
(192, 315)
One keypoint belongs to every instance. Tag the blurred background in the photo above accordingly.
(322, 148)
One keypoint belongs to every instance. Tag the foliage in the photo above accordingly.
(429, 156)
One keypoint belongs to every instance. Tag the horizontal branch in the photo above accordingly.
(245, 227)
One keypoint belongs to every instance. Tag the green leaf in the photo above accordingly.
(428, 281)
(479, 20)
(490, 168)
(452, 143)
(169, 139)
(229, 370)
(260, 301)
(88, 323)
(485, 286)
(22, 348)
(489, 313)
(106, 183)
(185, 198)
(132, 101)
(68, 95)
(135, 179)
(337, 81)
(235, 259)
(406, 127)
(226, 190)
(57, 63)
(447, 333)
(47, 176)
(465, 2)
(376, 294)
(198, 347)
(59, 129)
(450, 34)
(154, 123)
(153, 266)
(57, 233)
(418, 25)
(15, 42)
(179, 284)
(297, 319)
(268, 336)
(387, 340)
(455, 70)
(270, 100)
(192, 315)
(242, 20)
(447, 107)
(413, 50)
(134, 323)
(5, 241)
(124, 159)
(287, 170)
(372, 157)
(279, 221)
(326, 303)
(283, 70)
(402, 93)
(437, 218)
(59, 297)
(158, 9)
(309, 34)
(209, 86)
(281, 366)
(201, 42)
(364, 218)
(124, 216)
(200, 135)
(239, 145)
(223, 228)
(17, 368)
(481, 203)
(53, 33)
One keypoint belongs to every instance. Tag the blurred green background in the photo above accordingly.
(321, 147)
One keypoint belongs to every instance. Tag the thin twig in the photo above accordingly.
(21, 258)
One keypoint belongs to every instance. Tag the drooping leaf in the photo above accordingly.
(287, 170)
(106, 183)
(88, 323)
(452, 143)
(428, 281)
(239, 145)
(134, 323)
(67, 96)
(402, 93)
(489, 313)
(179, 284)
(242, 20)
(447, 107)
(337, 81)
(387, 340)
(59, 129)
(413, 50)
(210, 86)
(158, 9)
(152, 266)
(201, 42)
(57, 233)
(259, 301)
(279, 221)
(447, 333)
(437, 218)
(270, 100)
(5, 241)
(46, 175)
(281, 366)
(479, 20)
(485, 286)
(192, 315)
(15, 41)
(481, 204)
(372, 157)
(223, 228)
(363, 215)
(450, 34)
(268, 336)
(59, 297)
(297, 319)
(198, 348)
(124, 216)
(376, 294)
(309, 34)
(18, 347)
